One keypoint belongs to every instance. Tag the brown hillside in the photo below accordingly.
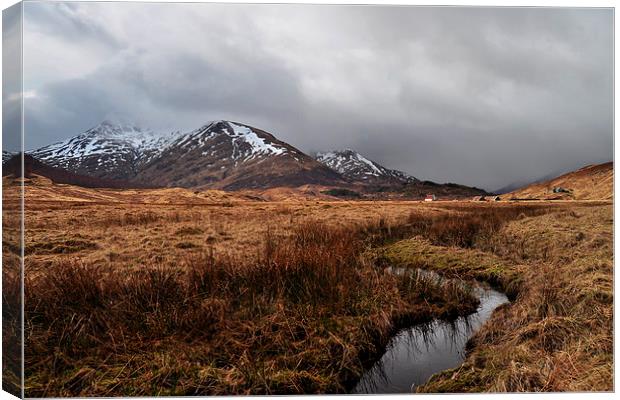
(39, 188)
(32, 167)
(592, 182)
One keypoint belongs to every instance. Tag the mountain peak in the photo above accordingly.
(355, 166)
(117, 129)
(248, 143)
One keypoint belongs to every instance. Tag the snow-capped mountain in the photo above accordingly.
(220, 154)
(230, 155)
(108, 150)
(7, 155)
(354, 166)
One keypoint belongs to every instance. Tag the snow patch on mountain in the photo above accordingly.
(246, 143)
(258, 145)
(126, 148)
(7, 155)
(355, 166)
(104, 138)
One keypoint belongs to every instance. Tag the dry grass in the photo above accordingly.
(557, 266)
(11, 294)
(305, 316)
(136, 234)
(251, 297)
(592, 182)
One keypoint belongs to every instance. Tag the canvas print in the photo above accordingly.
(260, 199)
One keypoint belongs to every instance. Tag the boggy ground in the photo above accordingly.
(248, 297)
(254, 298)
(558, 269)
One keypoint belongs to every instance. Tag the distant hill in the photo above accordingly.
(443, 191)
(355, 167)
(592, 182)
(42, 188)
(32, 166)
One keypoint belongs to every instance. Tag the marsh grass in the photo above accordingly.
(307, 315)
(295, 298)
(555, 263)
(11, 325)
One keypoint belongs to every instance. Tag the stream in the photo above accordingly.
(416, 353)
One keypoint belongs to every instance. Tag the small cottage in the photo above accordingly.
(430, 197)
(495, 198)
(479, 198)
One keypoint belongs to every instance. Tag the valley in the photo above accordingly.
(295, 199)
(219, 293)
(223, 261)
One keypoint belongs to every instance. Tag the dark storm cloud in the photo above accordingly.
(479, 96)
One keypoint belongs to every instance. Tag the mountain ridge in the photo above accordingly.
(227, 155)
(220, 154)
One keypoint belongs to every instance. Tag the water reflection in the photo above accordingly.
(416, 353)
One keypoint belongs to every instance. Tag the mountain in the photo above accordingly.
(109, 151)
(230, 155)
(32, 166)
(220, 154)
(592, 182)
(375, 181)
(355, 167)
(6, 156)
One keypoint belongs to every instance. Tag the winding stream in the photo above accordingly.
(416, 353)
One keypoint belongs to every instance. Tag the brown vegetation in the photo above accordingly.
(557, 266)
(305, 316)
(11, 294)
(138, 296)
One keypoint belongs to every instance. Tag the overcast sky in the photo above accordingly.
(478, 96)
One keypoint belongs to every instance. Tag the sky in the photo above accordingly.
(477, 96)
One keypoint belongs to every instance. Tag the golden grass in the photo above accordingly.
(557, 335)
(592, 182)
(11, 294)
(305, 314)
(317, 322)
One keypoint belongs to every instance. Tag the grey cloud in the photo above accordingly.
(479, 96)
(67, 21)
(11, 78)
